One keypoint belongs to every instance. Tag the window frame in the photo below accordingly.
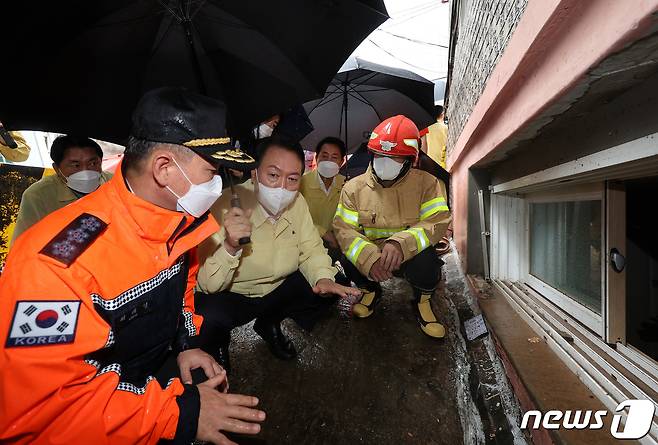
(584, 315)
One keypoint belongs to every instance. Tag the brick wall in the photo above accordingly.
(485, 27)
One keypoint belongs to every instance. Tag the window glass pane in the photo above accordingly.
(565, 248)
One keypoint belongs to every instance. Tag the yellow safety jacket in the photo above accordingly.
(48, 194)
(413, 212)
(436, 138)
(321, 205)
(18, 154)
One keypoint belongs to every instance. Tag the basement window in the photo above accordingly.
(565, 260)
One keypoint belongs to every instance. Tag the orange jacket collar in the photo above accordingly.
(156, 223)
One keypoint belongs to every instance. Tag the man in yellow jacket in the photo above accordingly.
(284, 272)
(389, 219)
(77, 164)
(18, 153)
(321, 188)
(434, 138)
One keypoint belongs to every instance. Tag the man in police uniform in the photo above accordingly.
(100, 293)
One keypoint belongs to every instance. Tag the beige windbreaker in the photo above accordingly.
(413, 212)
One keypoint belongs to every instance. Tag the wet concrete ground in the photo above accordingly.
(377, 380)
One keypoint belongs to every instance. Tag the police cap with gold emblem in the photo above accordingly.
(176, 116)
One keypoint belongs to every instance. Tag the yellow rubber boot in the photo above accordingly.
(428, 323)
(366, 306)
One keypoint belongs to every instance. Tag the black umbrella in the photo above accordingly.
(80, 66)
(294, 124)
(362, 95)
(358, 163)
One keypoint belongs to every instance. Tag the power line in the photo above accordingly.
(412, 10)
(420, 9)
(395, 21)
(397, 58)
(412, 40)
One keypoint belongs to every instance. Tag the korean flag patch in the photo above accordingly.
(41, 323)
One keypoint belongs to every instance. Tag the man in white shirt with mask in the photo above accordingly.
(77, 164)
(249, 142)
(284, 272)
(265, 129)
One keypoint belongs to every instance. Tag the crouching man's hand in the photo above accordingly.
(392, 256)
(237, 225)
(326, 286)
(234, 413)
(378, 272)
(196, 358)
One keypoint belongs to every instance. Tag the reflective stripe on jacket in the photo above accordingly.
(413, 212)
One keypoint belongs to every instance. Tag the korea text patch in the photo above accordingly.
(42, 323)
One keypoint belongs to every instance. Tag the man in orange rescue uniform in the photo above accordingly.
(97, 296)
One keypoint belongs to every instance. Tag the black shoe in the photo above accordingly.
(223, 358)
(279, 344)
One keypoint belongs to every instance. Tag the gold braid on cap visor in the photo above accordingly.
(209, 141)
(232, 154)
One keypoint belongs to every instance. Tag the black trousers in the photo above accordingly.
(423, 271)
(337, 255)
(226, 310)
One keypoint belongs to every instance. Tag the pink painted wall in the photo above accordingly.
(554, 45)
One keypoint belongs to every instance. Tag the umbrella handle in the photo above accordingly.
(9, 141)
(235, 202)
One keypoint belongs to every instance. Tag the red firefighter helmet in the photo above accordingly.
(395, 136)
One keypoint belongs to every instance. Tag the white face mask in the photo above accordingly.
(275, 200)
(386, 168)
(328, 169)
(200, 197)
(85, 181)
(263, 131)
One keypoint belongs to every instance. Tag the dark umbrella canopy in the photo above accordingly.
(363, 95)
(81, 66)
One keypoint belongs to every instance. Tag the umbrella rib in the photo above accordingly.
(374, 74)
(227, 22)
(171, 10)
(352, 88)
(200, 3)
(366, 102)
(340, 121)
(123, 22)
(330, 95)
(325, 103)
(372, 90)
(161, 35)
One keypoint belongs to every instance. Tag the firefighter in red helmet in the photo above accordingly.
(388, 220)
